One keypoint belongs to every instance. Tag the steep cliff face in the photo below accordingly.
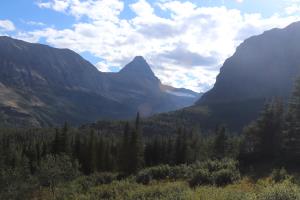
(263, 67)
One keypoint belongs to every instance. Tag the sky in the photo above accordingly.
(184, 41)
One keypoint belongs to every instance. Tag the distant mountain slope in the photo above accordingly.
(42, 86)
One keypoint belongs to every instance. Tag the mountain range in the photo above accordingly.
(42, 86)
(45, 86)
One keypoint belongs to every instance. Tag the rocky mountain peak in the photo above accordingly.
(138, 66)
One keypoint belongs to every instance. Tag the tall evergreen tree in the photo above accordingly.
(92, 153)
(291, 133)
(137, 121)
(56, 142)
(181, 147)
(124, 150)
(77, 147)
(101, 154)
(221, 142)
(263, 137)
(64, 139)
(136, 148)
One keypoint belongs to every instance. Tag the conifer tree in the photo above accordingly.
(77, 147)
(263, 137)
(181, 147)
(56, 142)
(101, 154)
(220, 144)
(92, 153)
(64, 139)
(291, 133)
(136, 148)
(125, 150)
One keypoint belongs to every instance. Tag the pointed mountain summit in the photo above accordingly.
(138, 66)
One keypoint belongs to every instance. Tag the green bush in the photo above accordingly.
(131, 191)
(283, 191)
(181, 172)
(144, 177)
(162, 172)
(225, 176)
(16, 183)
(169, 191)
(83, 183)
(104, 178)
(153, 173)
(279, 175)
(215, 172)
(115, 190)
(56, 169)
(202, 177)
(223, 193)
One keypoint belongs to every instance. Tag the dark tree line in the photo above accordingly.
(98, 152)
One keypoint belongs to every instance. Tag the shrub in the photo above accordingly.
(144, 177)
(113, 191)
(156, 173)
(279, 175)
(162, 172)
(181, 172)
(16, 183)
(104, 178)
(168, 191)
(56, 169)
(225, 176)
(215, 172)
(202, 177)
(224, 193)
(83, 183)
(282, 191)
(131, 191)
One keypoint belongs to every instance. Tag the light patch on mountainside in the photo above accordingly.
(8, 97)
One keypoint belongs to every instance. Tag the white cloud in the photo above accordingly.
(93, 9)
(33, 23)
(7, 25)
(142, 8)
(293, 7)
(103, 67)
(185, 49)
(58, 5)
